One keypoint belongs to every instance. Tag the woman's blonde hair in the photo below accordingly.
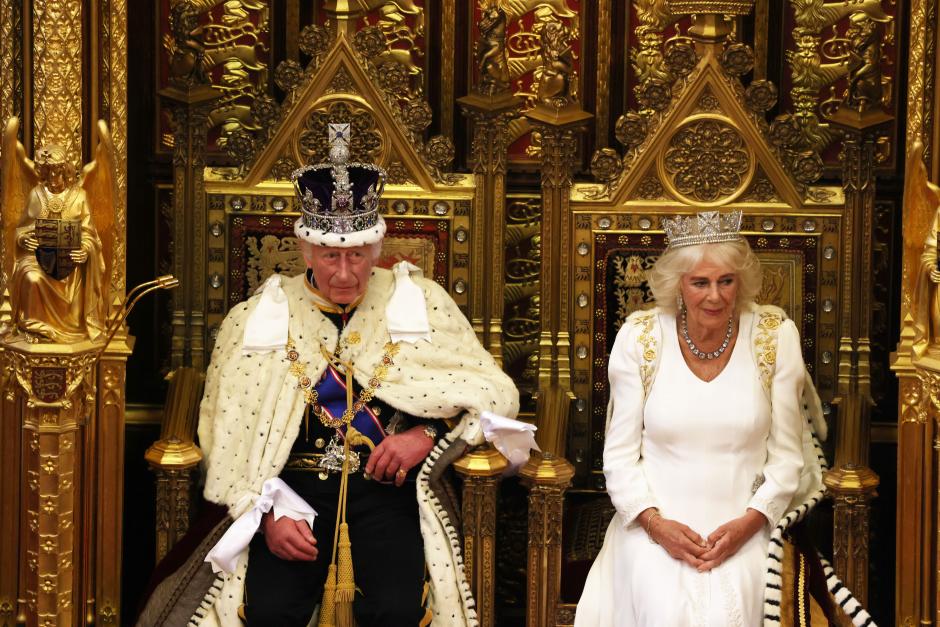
(666, 274)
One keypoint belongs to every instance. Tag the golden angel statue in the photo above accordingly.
(58, 287)
(921, 230)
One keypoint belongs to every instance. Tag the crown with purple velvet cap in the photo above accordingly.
(339, 200)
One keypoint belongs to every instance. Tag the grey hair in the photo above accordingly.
(666, 274)
(307, 247)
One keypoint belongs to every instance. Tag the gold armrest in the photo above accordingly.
(482, 470)
(547, 477)
(174, 456)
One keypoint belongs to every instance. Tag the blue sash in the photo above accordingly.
(331, 397)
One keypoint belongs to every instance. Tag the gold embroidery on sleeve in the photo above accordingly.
(648, 342)
(765, 345)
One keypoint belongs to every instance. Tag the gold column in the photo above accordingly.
(917, 556)
(491, 116)
(559, 130)
(54, 395)
(189, 107)
(57, 75)
(602, 98)
(481, 471)
(547, 477)
(10, 487)
(11, 104)
(112, 86)
(448, 56)
(915, 577)
(851, 482)
(106, 476)
(11, 59)
(921, 73)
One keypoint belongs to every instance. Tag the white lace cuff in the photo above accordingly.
(768, 507)
(633, 509)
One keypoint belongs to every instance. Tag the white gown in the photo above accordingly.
(702, 452)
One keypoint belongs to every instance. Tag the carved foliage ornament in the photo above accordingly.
(265, 111)
(240, 146)
(654, 94)
(680, 57)
(631, 130)
(807, 166)
(761, 96)
(440, 151)
(417, 115)
(785, 131)
(282, 169)
(314, 40)
(707, 161)
(39, 377)
(369, 42)
(737, 59)
(288, 75)
(394, 78)
(606, 165)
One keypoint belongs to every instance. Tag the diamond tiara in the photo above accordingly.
(706, 227)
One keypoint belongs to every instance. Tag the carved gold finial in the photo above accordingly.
(492, 61)
(711, 18)
(716, 7)
(482, 462)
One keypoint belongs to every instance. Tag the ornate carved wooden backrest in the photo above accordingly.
(262, 242)
(252, 210)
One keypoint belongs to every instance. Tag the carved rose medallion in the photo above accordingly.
(707, 162)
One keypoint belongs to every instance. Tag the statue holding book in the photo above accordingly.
(58, 287)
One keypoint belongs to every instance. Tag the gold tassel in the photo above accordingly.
(344, 615)
(328, 604)
(345, 583)
(425, 602)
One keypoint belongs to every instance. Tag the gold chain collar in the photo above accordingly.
(298, 369)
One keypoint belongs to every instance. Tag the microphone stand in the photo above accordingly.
(165, 282)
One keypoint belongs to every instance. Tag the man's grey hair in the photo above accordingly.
(307, 247)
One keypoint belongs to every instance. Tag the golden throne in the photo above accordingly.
(248, 234)
(698, 142)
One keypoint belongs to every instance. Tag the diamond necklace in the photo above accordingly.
(694, 349)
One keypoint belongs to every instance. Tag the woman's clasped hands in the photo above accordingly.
(703, 554)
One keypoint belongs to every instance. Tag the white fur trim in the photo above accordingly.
(340, 240)
(843, 596)
(252, 411)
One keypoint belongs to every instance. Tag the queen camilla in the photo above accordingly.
(709, 453)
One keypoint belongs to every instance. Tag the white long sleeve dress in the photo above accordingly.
(702, 452)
